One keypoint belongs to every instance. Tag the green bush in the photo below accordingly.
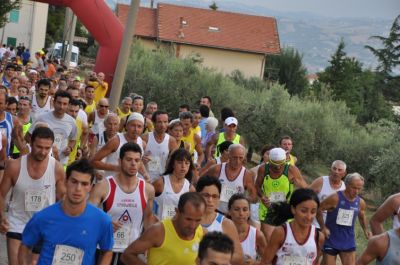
(323, 130)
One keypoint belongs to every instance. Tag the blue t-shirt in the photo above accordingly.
(52, 227)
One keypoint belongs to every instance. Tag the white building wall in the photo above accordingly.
(31, 27)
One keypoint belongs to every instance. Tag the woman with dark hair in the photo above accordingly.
(252, 239)
(297, 241)
(175, 181)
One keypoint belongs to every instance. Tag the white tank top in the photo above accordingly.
(113, 157)
(98, 124)
(396, 221)
(229, 187)
(216, 225)
(37, 110)
(159, 155)
(218, 160)
(249, 245)
(31, 195)
(326, 190)
(127, 208)
(168, 199)
(291, 250)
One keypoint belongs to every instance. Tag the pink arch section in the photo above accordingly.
(104, 26)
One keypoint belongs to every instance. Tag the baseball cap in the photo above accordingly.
(231, 120)
(277, 154)
(135, 117)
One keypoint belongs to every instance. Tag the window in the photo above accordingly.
(14, 16)
(11, 41)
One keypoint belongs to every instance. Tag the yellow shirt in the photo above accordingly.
(189, 139)
(121, 114)
(174, 250)
(72, 155)
(99, 91)
(90, 108)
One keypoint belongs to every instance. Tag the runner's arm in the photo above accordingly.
(362, 218)
(373, 251)
(316, 185)
(149, 218)
(24, 255)
(60, 181)
(297, 178)
(277, 238)
(105, 258)
(249, 186)
(110, 147)
(152, 237)
(230, 230)
(385, 211)
(98, 193)
(199, 150)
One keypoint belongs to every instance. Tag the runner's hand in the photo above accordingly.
(4, 226)
(326, 232)
(116, 225)
(265, 200)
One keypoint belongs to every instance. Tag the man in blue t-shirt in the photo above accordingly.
(70, 230)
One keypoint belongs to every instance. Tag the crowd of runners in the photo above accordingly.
(84, 184)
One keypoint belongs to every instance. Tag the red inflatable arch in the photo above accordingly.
(104, 26)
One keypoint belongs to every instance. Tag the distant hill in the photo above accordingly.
(316, 37)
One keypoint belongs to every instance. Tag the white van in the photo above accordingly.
(55, 52)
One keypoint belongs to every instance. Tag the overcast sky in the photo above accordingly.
(388, 9)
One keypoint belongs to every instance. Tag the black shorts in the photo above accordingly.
(116, 258)
(18, 236)
(334, 252)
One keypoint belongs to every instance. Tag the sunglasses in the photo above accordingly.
(103, 106)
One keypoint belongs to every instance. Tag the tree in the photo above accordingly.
(287, 68)
(388, 56)
(358, 88)
(5, 7)
(213, 6)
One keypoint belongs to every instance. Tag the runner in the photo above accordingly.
(327, 185)
(36, 180)
(234, 177)
(125, 108)
(82, 131)
(190, 137)
(175, 182)
(215, 249)
(127, 199)
(62, 125)
(252, 240)
(23, 123)
(229, 134)
(343, 208)
(286, 143)
(223, 158)
(7, 123)
(210, 189)
(384, 248)
(275, 183)
(41, 101)
(390, 208)
(89, 100)
(110, 151)
(298, 241)
(71, 229)
(96, 118)
(172, 241)
(159, 145)
(175, 129)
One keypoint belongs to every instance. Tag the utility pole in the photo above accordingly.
(70, 40)
(66, 32)
(124, 53)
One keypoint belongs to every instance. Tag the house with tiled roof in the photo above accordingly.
(224, 41)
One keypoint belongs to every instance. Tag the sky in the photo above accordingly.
(386, 9)
(335, 8)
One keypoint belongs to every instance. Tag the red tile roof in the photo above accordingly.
(205, 27)
(146, 24)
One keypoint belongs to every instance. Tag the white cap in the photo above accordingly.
(33, 71)
(231, 120)
(277, 154)
(134, 116)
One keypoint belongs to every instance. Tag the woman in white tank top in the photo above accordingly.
(175, 181)
(298, 241)
(252, 240)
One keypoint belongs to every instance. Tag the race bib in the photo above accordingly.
(35, 200)
(168, 211)
(66, 255)
(294, 260)
(121, 237)
(227, 192)
(345, 217)
(277, 197)
(154, 164)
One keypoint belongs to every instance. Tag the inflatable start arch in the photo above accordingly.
(104, 26)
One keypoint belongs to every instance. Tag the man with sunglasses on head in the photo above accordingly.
(275, 183)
